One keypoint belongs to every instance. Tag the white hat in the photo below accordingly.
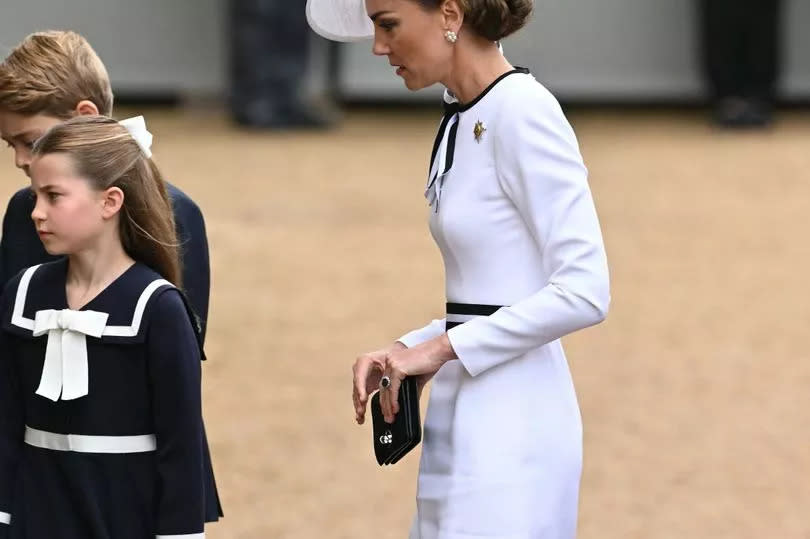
(340, 20)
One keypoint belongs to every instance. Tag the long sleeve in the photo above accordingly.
(174, 369)
(540, 170)
(11, 432)
(418, 336)
(193, 239)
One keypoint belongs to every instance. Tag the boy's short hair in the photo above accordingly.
(50, 73)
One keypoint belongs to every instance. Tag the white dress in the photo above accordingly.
(516, 226)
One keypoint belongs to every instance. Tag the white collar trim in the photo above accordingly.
(19, 320)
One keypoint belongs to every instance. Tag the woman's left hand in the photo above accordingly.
(422, 360)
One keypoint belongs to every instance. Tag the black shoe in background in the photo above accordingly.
(264, 115)
(742, 113)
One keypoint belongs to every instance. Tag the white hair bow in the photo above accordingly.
(137, 128)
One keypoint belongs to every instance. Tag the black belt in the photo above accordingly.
(467, 309)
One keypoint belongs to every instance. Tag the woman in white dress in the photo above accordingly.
(512, 213)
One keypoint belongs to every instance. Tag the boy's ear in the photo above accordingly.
(86, 108)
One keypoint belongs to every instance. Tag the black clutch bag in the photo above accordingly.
(392, 441)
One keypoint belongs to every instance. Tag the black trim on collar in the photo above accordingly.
(449, 110)
(467, 106)
(451, 147)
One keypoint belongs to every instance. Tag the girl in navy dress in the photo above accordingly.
(101, 431)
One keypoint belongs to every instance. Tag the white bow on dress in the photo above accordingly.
(65, 370)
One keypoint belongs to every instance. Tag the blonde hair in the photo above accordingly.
(106, 155)
(50, 73)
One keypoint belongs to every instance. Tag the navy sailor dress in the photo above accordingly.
(101, 430)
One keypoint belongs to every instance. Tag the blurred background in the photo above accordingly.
(308, 161)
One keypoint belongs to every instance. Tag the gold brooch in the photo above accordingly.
(479, 130)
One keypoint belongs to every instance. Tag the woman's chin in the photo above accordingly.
(413, 84)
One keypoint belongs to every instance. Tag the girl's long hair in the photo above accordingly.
(107, 156)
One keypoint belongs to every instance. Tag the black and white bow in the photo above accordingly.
(441, 159)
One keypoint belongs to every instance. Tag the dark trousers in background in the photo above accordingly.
(741, 48)
(270, 47)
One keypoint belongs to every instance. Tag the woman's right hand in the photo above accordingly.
(368, 369)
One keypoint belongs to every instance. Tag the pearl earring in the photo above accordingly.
(451, 36)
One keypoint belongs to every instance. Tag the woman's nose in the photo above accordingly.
(380, 48)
